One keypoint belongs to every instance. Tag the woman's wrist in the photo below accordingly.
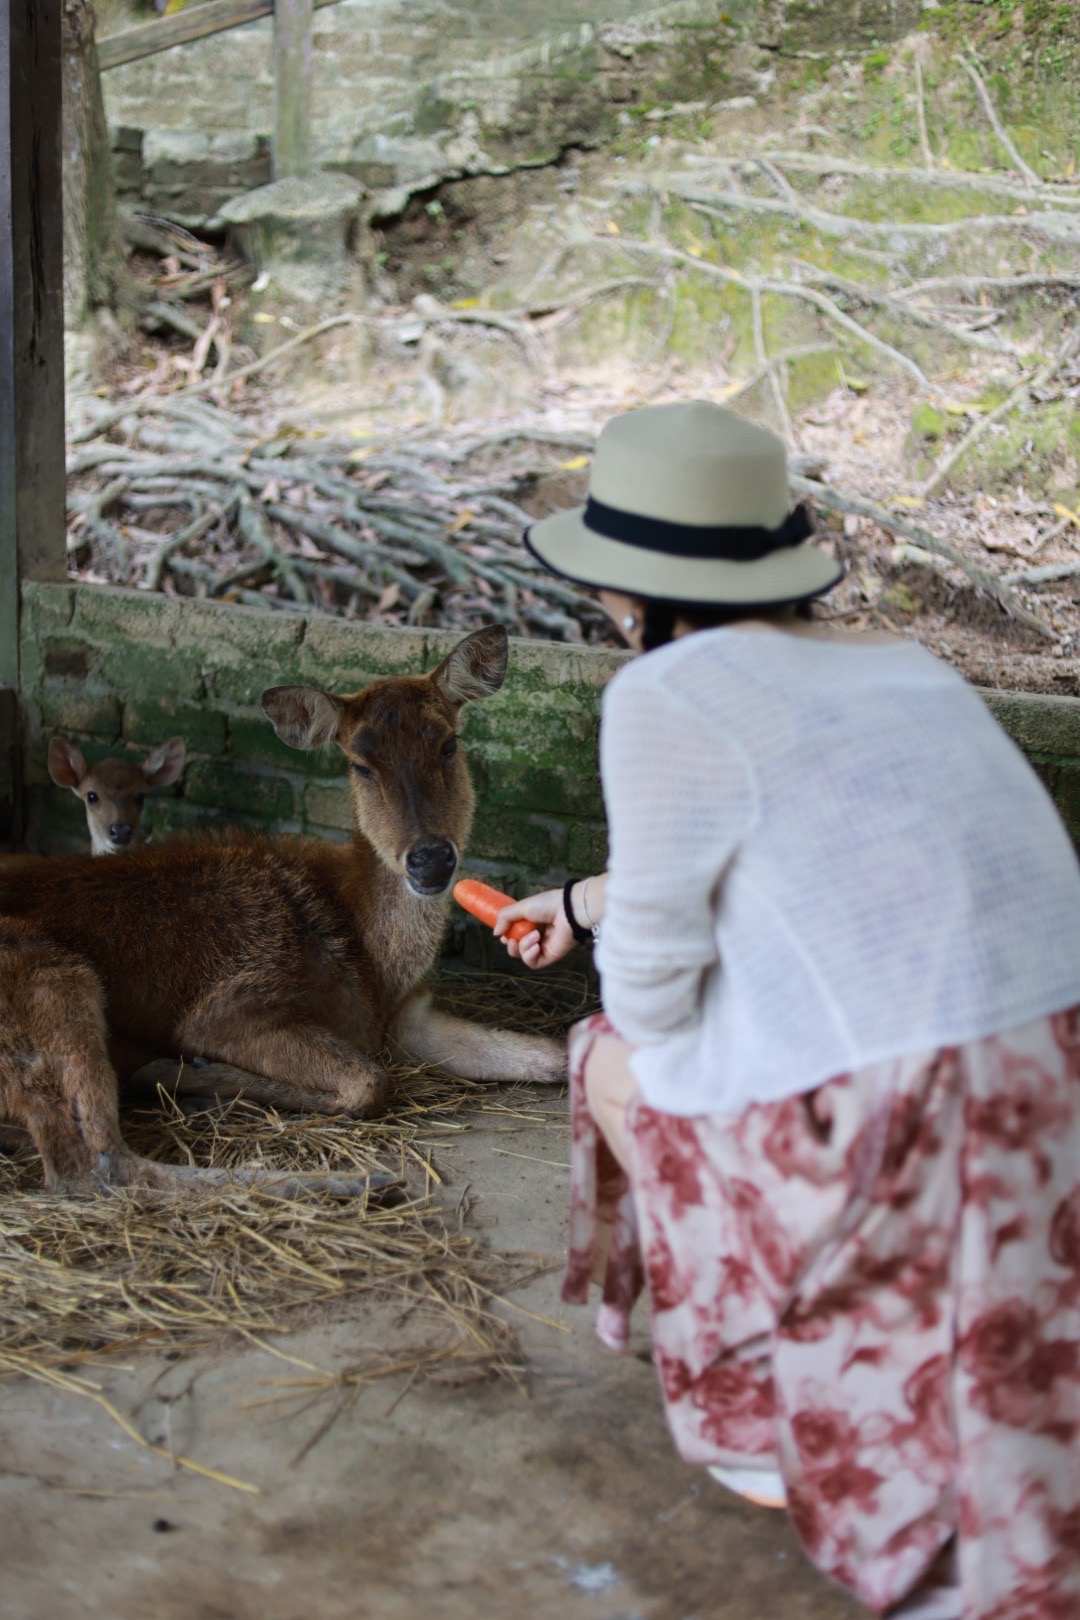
(582, 932)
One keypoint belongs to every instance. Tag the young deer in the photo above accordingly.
(114, 791)
(301, 961)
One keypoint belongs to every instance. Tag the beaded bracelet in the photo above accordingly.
(582, 935)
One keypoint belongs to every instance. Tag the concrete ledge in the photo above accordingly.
(118, 670)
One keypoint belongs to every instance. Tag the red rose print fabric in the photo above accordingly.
(874, 1287)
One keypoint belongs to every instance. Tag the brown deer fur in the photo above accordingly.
(296, 959)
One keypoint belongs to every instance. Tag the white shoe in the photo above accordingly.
(765, 1486)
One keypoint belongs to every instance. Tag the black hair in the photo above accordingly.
(660, 618)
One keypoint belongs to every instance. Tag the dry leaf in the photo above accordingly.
(464, 303)
(574, 464)
(462, 521)
(611, 228)
(912, 502)
(389, 598)
(1067, 512)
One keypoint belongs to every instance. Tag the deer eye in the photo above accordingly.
(361, 770)
(91, 797)
(140, 798)
(449, 748)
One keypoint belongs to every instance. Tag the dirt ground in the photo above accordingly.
(565, 1500)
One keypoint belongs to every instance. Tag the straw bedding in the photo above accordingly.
(84, 1277)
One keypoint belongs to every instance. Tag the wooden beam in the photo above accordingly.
(32, 544)
(196, 22)
(292, 87)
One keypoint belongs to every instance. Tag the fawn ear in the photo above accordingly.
(476, 667)
(66, 765)
(303, 716)
(163, 765)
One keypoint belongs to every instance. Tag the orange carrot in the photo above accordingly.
(486, 903)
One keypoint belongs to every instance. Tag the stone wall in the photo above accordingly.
(119, 671)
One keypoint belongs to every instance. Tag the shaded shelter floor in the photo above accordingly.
(483, 1501)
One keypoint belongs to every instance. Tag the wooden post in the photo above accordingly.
(31, 311)
(292, 87)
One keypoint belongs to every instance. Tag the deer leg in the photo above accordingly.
(326, 1074)
(455, 1046)
(214, 1082)
(55, 1077)
(57, 1082)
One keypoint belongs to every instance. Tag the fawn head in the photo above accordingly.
(412, 798)
(114, 791)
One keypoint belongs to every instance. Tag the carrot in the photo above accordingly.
(486, 903)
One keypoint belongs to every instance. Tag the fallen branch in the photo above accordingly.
(996, 125)
(1054, 226)
(787, 289)
(920, 105)
(1041, 576)
(1019, 393)
(836, 501)
(152, 402)
(998, 185)
(897, 305)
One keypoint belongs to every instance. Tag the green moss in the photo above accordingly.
(928, 423)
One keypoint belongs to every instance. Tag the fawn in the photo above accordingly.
(114, 791)
(300, 960)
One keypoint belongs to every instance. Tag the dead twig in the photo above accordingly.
(996, 125)
(835, 500)
(1036, 380)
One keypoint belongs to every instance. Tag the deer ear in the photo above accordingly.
(163, 765)
(303, 716)
(476, 667)
(66, 765)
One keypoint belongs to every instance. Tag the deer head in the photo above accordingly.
(114, 791)
(412, 798)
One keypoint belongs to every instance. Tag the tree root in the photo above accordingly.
(836, 501)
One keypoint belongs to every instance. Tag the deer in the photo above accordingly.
(114, 790)
(300, 962)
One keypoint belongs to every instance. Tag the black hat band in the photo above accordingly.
(694, 539)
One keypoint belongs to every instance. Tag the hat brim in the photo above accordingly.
(567, 547)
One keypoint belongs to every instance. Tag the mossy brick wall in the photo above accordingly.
(118, 671)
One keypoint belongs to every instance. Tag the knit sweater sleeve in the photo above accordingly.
(680, 798)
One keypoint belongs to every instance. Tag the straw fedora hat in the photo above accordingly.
(688, 503)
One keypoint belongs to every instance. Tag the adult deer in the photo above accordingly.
(114, 790)
(298, 960)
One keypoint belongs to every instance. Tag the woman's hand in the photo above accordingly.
(550, 939)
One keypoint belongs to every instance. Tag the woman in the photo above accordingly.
(831, 1112)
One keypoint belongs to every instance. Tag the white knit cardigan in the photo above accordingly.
(823, 854)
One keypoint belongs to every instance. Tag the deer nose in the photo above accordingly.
(431, 866)
(120, 832)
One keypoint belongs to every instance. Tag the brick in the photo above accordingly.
(496, 835)
(171, 816)
(253, 741)
(543, 789)
(149, 721)
(57, 821)
(343, 657)
(587, 849)
(259, 798)
(134, 669)
(78, 712)
(226, 634)
(1041, 725)
(46, 609)
(67, 655)
(106, 613)
(327, 805)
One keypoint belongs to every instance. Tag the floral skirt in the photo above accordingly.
(875, 1289)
